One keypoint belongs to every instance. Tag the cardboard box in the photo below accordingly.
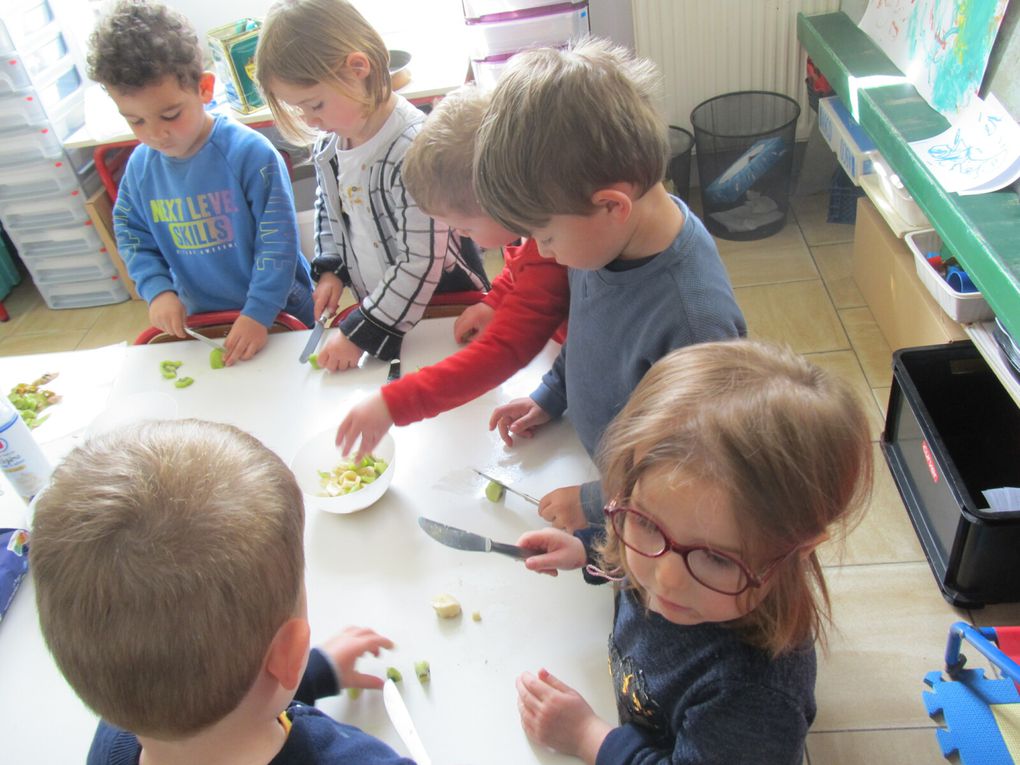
(233, 52)
(100, 211)
(883, 267)
(854, 148)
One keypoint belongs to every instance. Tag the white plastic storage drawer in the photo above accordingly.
(487, 71)
(59, 269)
(84, 294)
(69, 240)
(29, 146)
(63, 209)
(21, 110)
(23, 19)
(479, 9)
(549, 25)
(47, 178)
(964, 307)
(13, 74)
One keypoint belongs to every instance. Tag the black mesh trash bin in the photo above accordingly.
(681, 142)
(745, 145)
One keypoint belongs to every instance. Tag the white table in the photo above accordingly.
(373, 568)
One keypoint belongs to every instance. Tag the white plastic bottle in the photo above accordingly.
(21, 459)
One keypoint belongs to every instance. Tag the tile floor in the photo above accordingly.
(890, 619)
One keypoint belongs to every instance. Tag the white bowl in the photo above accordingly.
(320, 453)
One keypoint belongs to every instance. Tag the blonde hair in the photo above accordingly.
(787, 441)
(437, 169)
(564, 124)
(307, 42)
(166, 555)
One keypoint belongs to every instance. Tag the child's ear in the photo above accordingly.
(285, 660)
(206, 85)
(615, 200)
(809, 547)
(358, 64)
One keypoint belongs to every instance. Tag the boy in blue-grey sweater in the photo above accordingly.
(572, 153)
(204, 217)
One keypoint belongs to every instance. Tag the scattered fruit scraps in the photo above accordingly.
(30, 399)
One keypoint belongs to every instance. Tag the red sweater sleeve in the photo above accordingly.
(527, 317)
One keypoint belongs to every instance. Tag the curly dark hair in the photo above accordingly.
(139, 43)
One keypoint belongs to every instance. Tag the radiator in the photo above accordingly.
(709, 47)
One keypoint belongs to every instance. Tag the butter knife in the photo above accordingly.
(403, 724)
(510, 489)
(202, 338)
(460, 539)
(315, 337)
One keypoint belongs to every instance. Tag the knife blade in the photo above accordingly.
(467, 540)
(403, 724)
(510, 489)
(313, 339)
(202, 338)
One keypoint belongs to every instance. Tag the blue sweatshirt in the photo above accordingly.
(623, 321)
(217, 228)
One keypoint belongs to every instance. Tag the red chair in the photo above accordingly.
(216, 324)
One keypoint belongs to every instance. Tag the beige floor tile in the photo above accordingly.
(40, 342)
(798, 314)
(844, 364)
(19, 304)
(787, 237)
(769, 265)
(811, 212)
(890, 630)
(884, 534)
(41, 318)
(997, 615)
(869, 345)
(115, 323)
(910, 746)
(882, 398)
(834, 264)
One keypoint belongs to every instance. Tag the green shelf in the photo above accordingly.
(982, 230)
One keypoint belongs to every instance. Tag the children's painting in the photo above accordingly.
(941, 45)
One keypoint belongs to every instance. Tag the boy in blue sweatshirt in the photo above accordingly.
(205, 213)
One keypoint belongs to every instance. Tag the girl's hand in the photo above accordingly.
(472, 321)
(339, 354)
(327, 294)
(347, 647)
(563, 509)
(368, 420)
(246, 338)
(166, 312)
(556, 550)
(554, 714)
(520, 417)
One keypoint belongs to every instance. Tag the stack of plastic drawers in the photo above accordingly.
(43, 188)
(497, 29)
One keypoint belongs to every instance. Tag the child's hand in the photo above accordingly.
(562, 508)
(339, 354)
(554, 714)
(368, 419)
(345, 649)
(472, 321)
(166, 312)
(557, 550)
(520, 417)
(246, 338)
(327, 294)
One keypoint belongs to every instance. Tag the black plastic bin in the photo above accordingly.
(745, 145)
(678, 172)
(952, 431)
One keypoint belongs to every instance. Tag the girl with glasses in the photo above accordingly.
(728, 466)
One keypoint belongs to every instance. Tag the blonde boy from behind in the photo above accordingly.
(169, 573)
(572, 152)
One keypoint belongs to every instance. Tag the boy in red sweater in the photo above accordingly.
(526, 307)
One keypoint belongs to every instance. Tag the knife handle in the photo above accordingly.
(513, 550)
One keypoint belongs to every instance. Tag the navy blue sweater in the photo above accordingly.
(314, 736)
